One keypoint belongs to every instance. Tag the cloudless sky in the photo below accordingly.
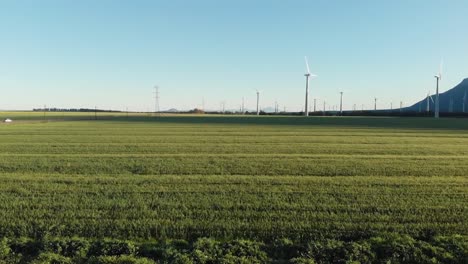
(110, 53)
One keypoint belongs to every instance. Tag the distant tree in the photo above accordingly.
(196, 111)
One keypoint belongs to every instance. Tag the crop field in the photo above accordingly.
(259, 178)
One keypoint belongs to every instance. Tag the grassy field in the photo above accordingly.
(258, 178)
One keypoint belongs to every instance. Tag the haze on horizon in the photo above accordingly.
(111, 54)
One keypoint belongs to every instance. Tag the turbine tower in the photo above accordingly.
(428, 107)
(375, 103)
(464, 102)
(438, 78)
(156, 99)
(307, 75)
(429, 99)
(258, 101)
(341, 103)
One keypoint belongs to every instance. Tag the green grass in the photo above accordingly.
(233, 177)
(261, 207)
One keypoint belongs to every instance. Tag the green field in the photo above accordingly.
(147, 178)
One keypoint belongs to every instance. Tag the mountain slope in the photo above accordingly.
(450, 101)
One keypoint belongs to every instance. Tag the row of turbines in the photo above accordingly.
(308, 76)
(314, 107)
(438, 77)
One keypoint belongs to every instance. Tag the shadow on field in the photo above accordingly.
(356, 122)
(364, 122)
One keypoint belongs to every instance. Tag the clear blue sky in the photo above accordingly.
(87, 53)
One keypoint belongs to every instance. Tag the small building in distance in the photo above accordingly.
(8, 120)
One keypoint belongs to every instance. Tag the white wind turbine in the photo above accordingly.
(464, 102)
(258, 101)
(438, 78)
(429, 99)
(307, 75)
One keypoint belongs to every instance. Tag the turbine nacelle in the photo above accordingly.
(439, 75)
(308, 74)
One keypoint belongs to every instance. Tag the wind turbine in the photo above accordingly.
(375, 103)
(307, 75)
(341, 103)
(464, 102)
(258, 102)
(438, 78)
(429, 98)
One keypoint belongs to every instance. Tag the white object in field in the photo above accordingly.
(8, 120)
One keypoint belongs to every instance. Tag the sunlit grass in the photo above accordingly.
(230, 177)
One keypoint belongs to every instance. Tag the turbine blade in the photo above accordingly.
(440, 68)
(307, 64)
